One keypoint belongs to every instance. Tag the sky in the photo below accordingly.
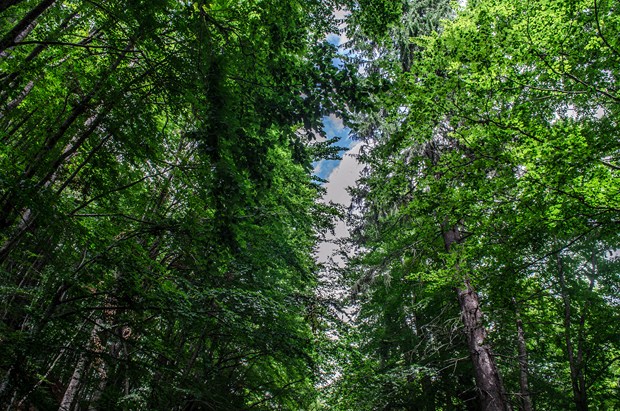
(344, 175)
(334, 127)
(339, 174)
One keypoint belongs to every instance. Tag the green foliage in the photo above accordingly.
(502, 125)
(157, 209)
(158, 216)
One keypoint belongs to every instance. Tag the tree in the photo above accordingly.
(156, 202)
(498, 168)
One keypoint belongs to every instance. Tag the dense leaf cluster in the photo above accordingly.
(157, 212)
(492, 161)
(158, 215)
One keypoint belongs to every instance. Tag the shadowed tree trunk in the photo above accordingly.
(24, 26)
(575, 360)
(8, 3)
(74, 384)
(488, 381)
(526, 400)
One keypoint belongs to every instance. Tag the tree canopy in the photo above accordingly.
(486, 271)
(159, 213)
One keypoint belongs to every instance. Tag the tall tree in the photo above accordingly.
(499, 167)
(156, 202)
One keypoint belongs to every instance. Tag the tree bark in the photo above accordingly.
(8, 3)
(19, 99)
(96, 346)
(9, 80)
(24, 25)
(74, 384)
(488, 381)
(526, 399)
(574, 362)
(9, 206)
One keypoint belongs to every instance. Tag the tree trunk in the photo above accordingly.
(574, 362)
(99, 365)
(7, 210)
(19, 99)
(74, 384)
(25, 25)
(526, 400)
(8, 3)
(8, 80)
(96, 346)
(488, 381)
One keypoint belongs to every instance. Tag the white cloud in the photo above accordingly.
(344, 176)
(336, 122)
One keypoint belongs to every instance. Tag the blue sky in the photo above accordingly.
(333, 127)
(336, 40)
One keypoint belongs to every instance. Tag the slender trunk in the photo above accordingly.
(72, 147)
(430, 393)
(96, 346)
(9, 79)
(25, 222)
(99, 365)
(574, 362)
(84, 162)
(526, 400)
(77, 111)
(74, 384)
(70, 150)
(196, 351)
(25, 25)
(12, 376)
(161, 363)
(19, 99)
(24, 400)
(5, 386)
(7, 211)
(16, 127)
(8, 3)
(488, 380)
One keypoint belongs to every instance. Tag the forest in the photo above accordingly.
(160, 210)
